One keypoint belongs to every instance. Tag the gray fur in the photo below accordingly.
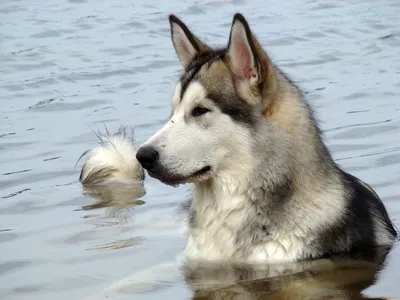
(279, 187)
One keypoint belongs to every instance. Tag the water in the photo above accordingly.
(69, 67)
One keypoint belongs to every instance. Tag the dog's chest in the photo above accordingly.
(213, 232)
(239, 232)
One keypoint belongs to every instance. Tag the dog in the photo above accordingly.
(265, 186)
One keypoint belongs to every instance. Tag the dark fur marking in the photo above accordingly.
(376, 204)
(354, 231)
(231, 105)
(255, 228)
(281, 192)
(265, 229)
(254, 231)
(195, 66)
(189, 35)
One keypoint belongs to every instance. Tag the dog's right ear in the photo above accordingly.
(187, 46)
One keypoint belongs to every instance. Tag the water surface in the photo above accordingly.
(68, 67)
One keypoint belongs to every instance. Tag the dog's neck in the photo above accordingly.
(215, 190)
(229, 219)
(223, 196)
(271, 191)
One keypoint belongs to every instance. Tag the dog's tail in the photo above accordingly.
(114, 160)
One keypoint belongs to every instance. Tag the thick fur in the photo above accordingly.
(113, 161)
(265, 187)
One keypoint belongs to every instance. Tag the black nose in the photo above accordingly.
(147, 156)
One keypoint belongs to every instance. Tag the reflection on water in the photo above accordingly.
(118, 199)
(338, 278)
(118, 244)
(342, 278)
(115, 194)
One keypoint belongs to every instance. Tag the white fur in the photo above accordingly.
(221, 214)
(187, 144)
(218, 141)
(176, 97)
(115, 152)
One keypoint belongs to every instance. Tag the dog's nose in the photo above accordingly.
(147, 156)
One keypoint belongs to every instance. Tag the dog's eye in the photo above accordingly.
(199, 110)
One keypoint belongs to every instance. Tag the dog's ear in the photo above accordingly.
(187, 46)
(241, 50)
(248, 61)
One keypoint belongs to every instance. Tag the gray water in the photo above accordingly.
(67, 67)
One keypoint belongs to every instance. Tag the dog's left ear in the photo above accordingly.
(249, 62)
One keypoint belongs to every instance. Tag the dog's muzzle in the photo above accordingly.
(149, 158)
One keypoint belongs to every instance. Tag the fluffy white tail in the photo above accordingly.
(114, 160)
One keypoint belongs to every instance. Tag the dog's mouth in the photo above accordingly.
(175, 180)
(201, 172)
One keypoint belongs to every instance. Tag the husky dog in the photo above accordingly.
(265, 187)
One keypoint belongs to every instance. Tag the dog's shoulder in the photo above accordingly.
(365, 222)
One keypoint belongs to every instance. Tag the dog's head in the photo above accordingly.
(220, 105)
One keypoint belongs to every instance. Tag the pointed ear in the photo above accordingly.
(251, 65)
(242, 51)
(187, 46)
